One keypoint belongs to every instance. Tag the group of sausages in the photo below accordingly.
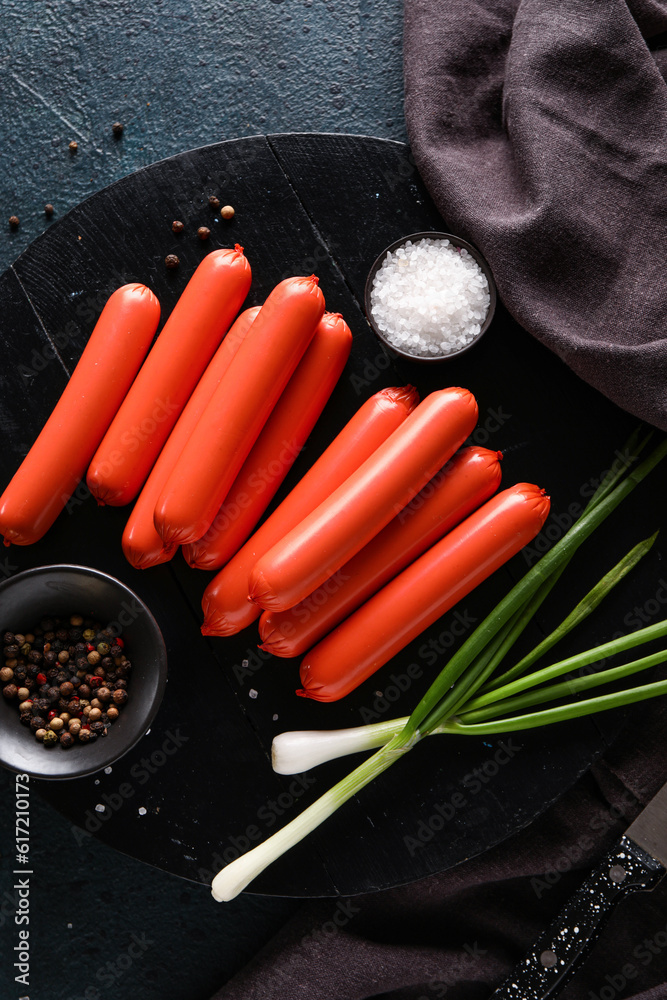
(384, 533)
(381, 537)
(184, 428)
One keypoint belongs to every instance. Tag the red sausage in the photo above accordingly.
(56, 462)
(226, 607)
(423, 592)
(238, 410)
(360, 508)
(470, 478)
(141, 543)
(198, 321)
(278, 445)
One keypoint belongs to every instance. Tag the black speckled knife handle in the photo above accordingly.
(551, 961)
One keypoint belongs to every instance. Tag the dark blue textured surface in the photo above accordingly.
(177, 74)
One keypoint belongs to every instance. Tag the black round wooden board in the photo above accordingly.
(199, 789)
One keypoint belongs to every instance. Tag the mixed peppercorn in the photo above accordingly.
(69, 677)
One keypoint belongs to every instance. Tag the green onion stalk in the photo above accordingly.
(463, 699)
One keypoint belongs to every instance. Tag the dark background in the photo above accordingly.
(177, 74)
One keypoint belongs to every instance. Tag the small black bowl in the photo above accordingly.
(65, 590)
(456, 241)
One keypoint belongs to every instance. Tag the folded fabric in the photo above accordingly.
(540, 130)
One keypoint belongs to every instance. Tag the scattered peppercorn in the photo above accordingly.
(66, 740)
(117, 128)
(73, 146)
(214, 201)
(203, 232)
(171, 261)
(227, 212)
(48, 210)
(177, 227)
(14, 222)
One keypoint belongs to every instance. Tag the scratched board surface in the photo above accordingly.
(328, 204)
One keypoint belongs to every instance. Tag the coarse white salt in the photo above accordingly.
(430, 298)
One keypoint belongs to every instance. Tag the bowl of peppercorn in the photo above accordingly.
(82, 672)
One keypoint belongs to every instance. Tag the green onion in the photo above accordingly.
(233, 879)
(298, 751)
(559, 714)
(469, 668)
(584, 608)
(643, 635)
(553, 692)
